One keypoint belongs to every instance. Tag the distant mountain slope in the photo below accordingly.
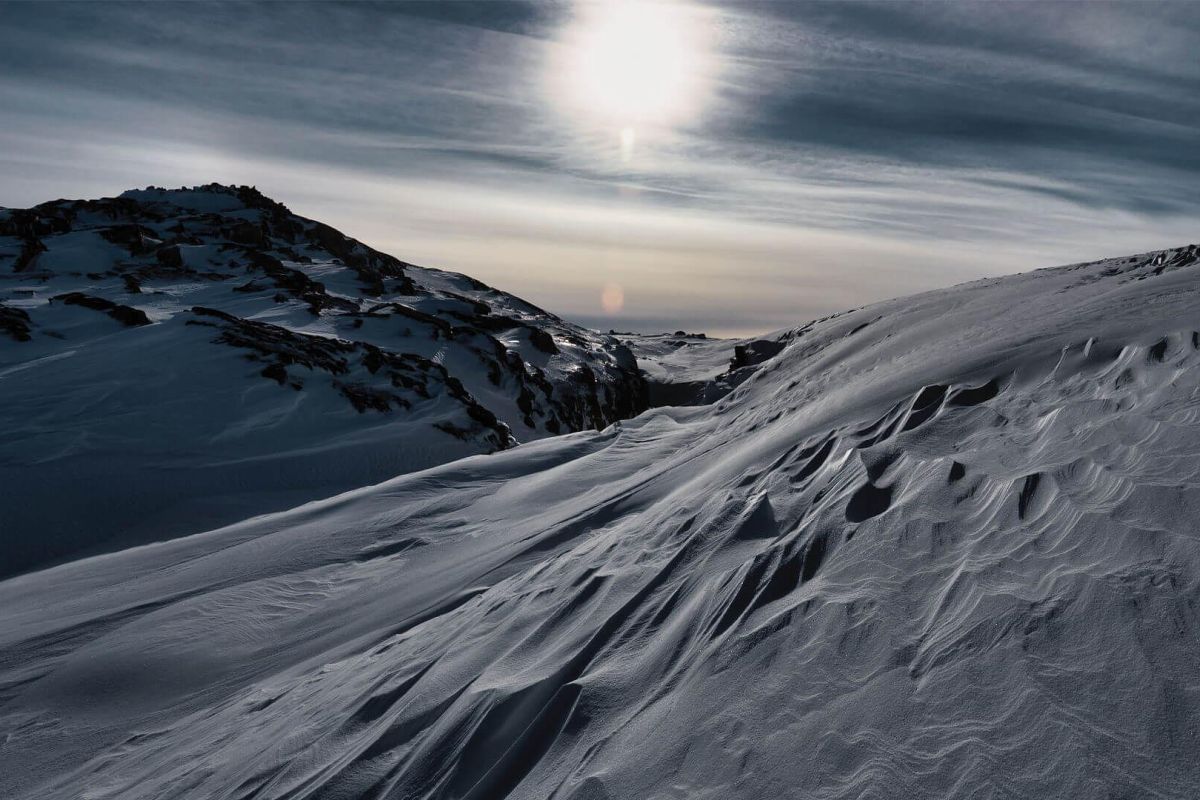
(171, 361)
(939, 547)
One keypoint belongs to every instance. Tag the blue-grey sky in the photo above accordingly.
(731, 167)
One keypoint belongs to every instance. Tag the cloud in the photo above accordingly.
(849, 151)
(1040, 89)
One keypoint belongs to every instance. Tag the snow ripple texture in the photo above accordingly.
(941, 547)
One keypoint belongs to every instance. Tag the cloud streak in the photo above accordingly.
(850, 151)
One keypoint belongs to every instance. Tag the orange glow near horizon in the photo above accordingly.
(612, 299)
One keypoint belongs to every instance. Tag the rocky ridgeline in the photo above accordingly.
(174, 360)
(385, 333)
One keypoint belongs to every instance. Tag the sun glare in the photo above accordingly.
(632, 65)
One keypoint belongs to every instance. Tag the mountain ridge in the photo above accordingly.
(216, 304)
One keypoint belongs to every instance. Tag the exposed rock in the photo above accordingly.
(126, 315)
(15, 322)
(543, 341)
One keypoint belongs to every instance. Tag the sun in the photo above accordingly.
(631, 65)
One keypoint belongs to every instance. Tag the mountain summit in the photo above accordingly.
(175, 360)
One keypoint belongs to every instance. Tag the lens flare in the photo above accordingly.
(612, 299)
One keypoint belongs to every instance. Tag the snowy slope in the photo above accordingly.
(171, 361)
(684, 370)
(939, 547)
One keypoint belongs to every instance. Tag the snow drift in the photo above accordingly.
(939, 547)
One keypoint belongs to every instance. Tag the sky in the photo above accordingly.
(725, 167)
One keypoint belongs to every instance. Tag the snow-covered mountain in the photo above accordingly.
(940, 547)
(171, 361)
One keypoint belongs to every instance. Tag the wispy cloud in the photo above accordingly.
(848, 151)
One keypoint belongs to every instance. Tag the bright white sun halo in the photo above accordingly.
(631, 65)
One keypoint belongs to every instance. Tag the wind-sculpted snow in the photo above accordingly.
(175, 360)
(940, 547)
